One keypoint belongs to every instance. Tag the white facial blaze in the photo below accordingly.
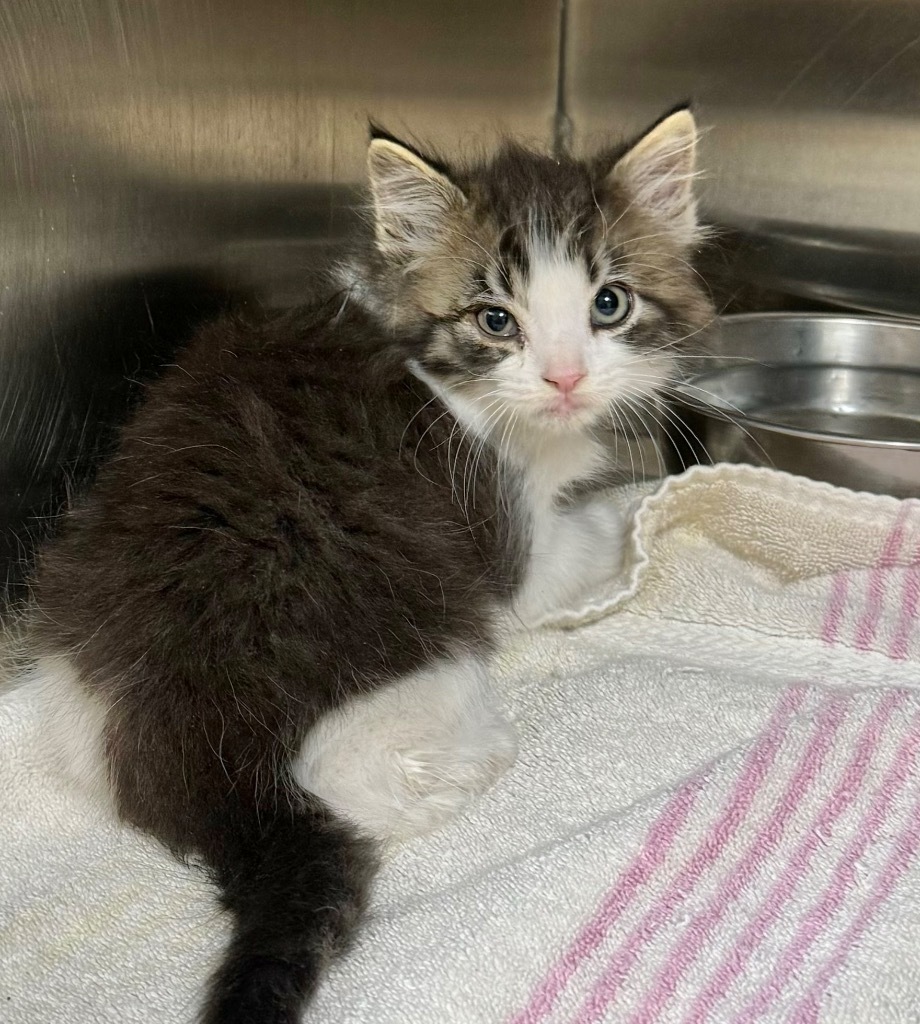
(560, 341)
(557, 324)
(566, 375)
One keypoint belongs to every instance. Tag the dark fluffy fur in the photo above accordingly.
(276, 534)
(279, 532)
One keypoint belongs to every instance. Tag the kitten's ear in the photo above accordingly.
(657, 173)
(413, 199)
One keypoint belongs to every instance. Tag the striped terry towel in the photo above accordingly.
(715, 816)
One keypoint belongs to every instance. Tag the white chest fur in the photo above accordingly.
(573, 548)
(411, 755)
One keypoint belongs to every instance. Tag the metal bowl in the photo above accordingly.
(836, 398)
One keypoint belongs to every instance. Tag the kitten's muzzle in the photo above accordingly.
(565, 381)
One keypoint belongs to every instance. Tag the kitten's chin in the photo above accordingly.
(568, 416)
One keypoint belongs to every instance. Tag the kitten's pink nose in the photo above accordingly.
(564, 380)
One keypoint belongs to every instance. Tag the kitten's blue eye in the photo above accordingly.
(612, 305)
(497, 321)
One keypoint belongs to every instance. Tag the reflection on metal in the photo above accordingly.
(813, 142)
(162, 158)
(827, 396)
(867, 269)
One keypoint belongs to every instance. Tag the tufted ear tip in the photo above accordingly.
(658, 171)
(685, 106)
(679, 123)
(412, 196)
(376, 131)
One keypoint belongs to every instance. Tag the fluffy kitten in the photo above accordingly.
(265, 633)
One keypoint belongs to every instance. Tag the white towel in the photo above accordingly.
(714, 816)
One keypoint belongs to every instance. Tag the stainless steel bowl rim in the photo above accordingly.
(851, 318)
(741, 418)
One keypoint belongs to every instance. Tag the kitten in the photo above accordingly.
(265, 634)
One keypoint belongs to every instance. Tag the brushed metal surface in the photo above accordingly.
(813, 131)
(833, 398)
(162, 158)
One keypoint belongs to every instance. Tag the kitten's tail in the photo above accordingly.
(295, 883)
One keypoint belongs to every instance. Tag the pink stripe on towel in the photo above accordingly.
(851, 781)
(899, 860)
(868, 624)
(750, 865)
(842, 880)
(838, 601)
(900, 644)
(660, 838)
(708, 853)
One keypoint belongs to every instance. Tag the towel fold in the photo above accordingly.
(715, 815)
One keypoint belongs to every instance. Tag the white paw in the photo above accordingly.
(408, 758)
(430, 785)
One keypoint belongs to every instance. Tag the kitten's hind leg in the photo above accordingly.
(71, 721)
(410, 756)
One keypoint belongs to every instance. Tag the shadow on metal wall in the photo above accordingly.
(163, 159)
(84, 367)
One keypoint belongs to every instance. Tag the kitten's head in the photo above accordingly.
(553, 291)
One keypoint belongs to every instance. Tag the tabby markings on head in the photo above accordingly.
(556, 293)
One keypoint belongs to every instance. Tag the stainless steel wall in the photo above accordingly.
(161, 157)
(813, 112)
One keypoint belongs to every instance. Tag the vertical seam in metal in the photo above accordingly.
(562, 125)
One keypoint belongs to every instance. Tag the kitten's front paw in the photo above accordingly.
(412, 755)
(433, 783)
